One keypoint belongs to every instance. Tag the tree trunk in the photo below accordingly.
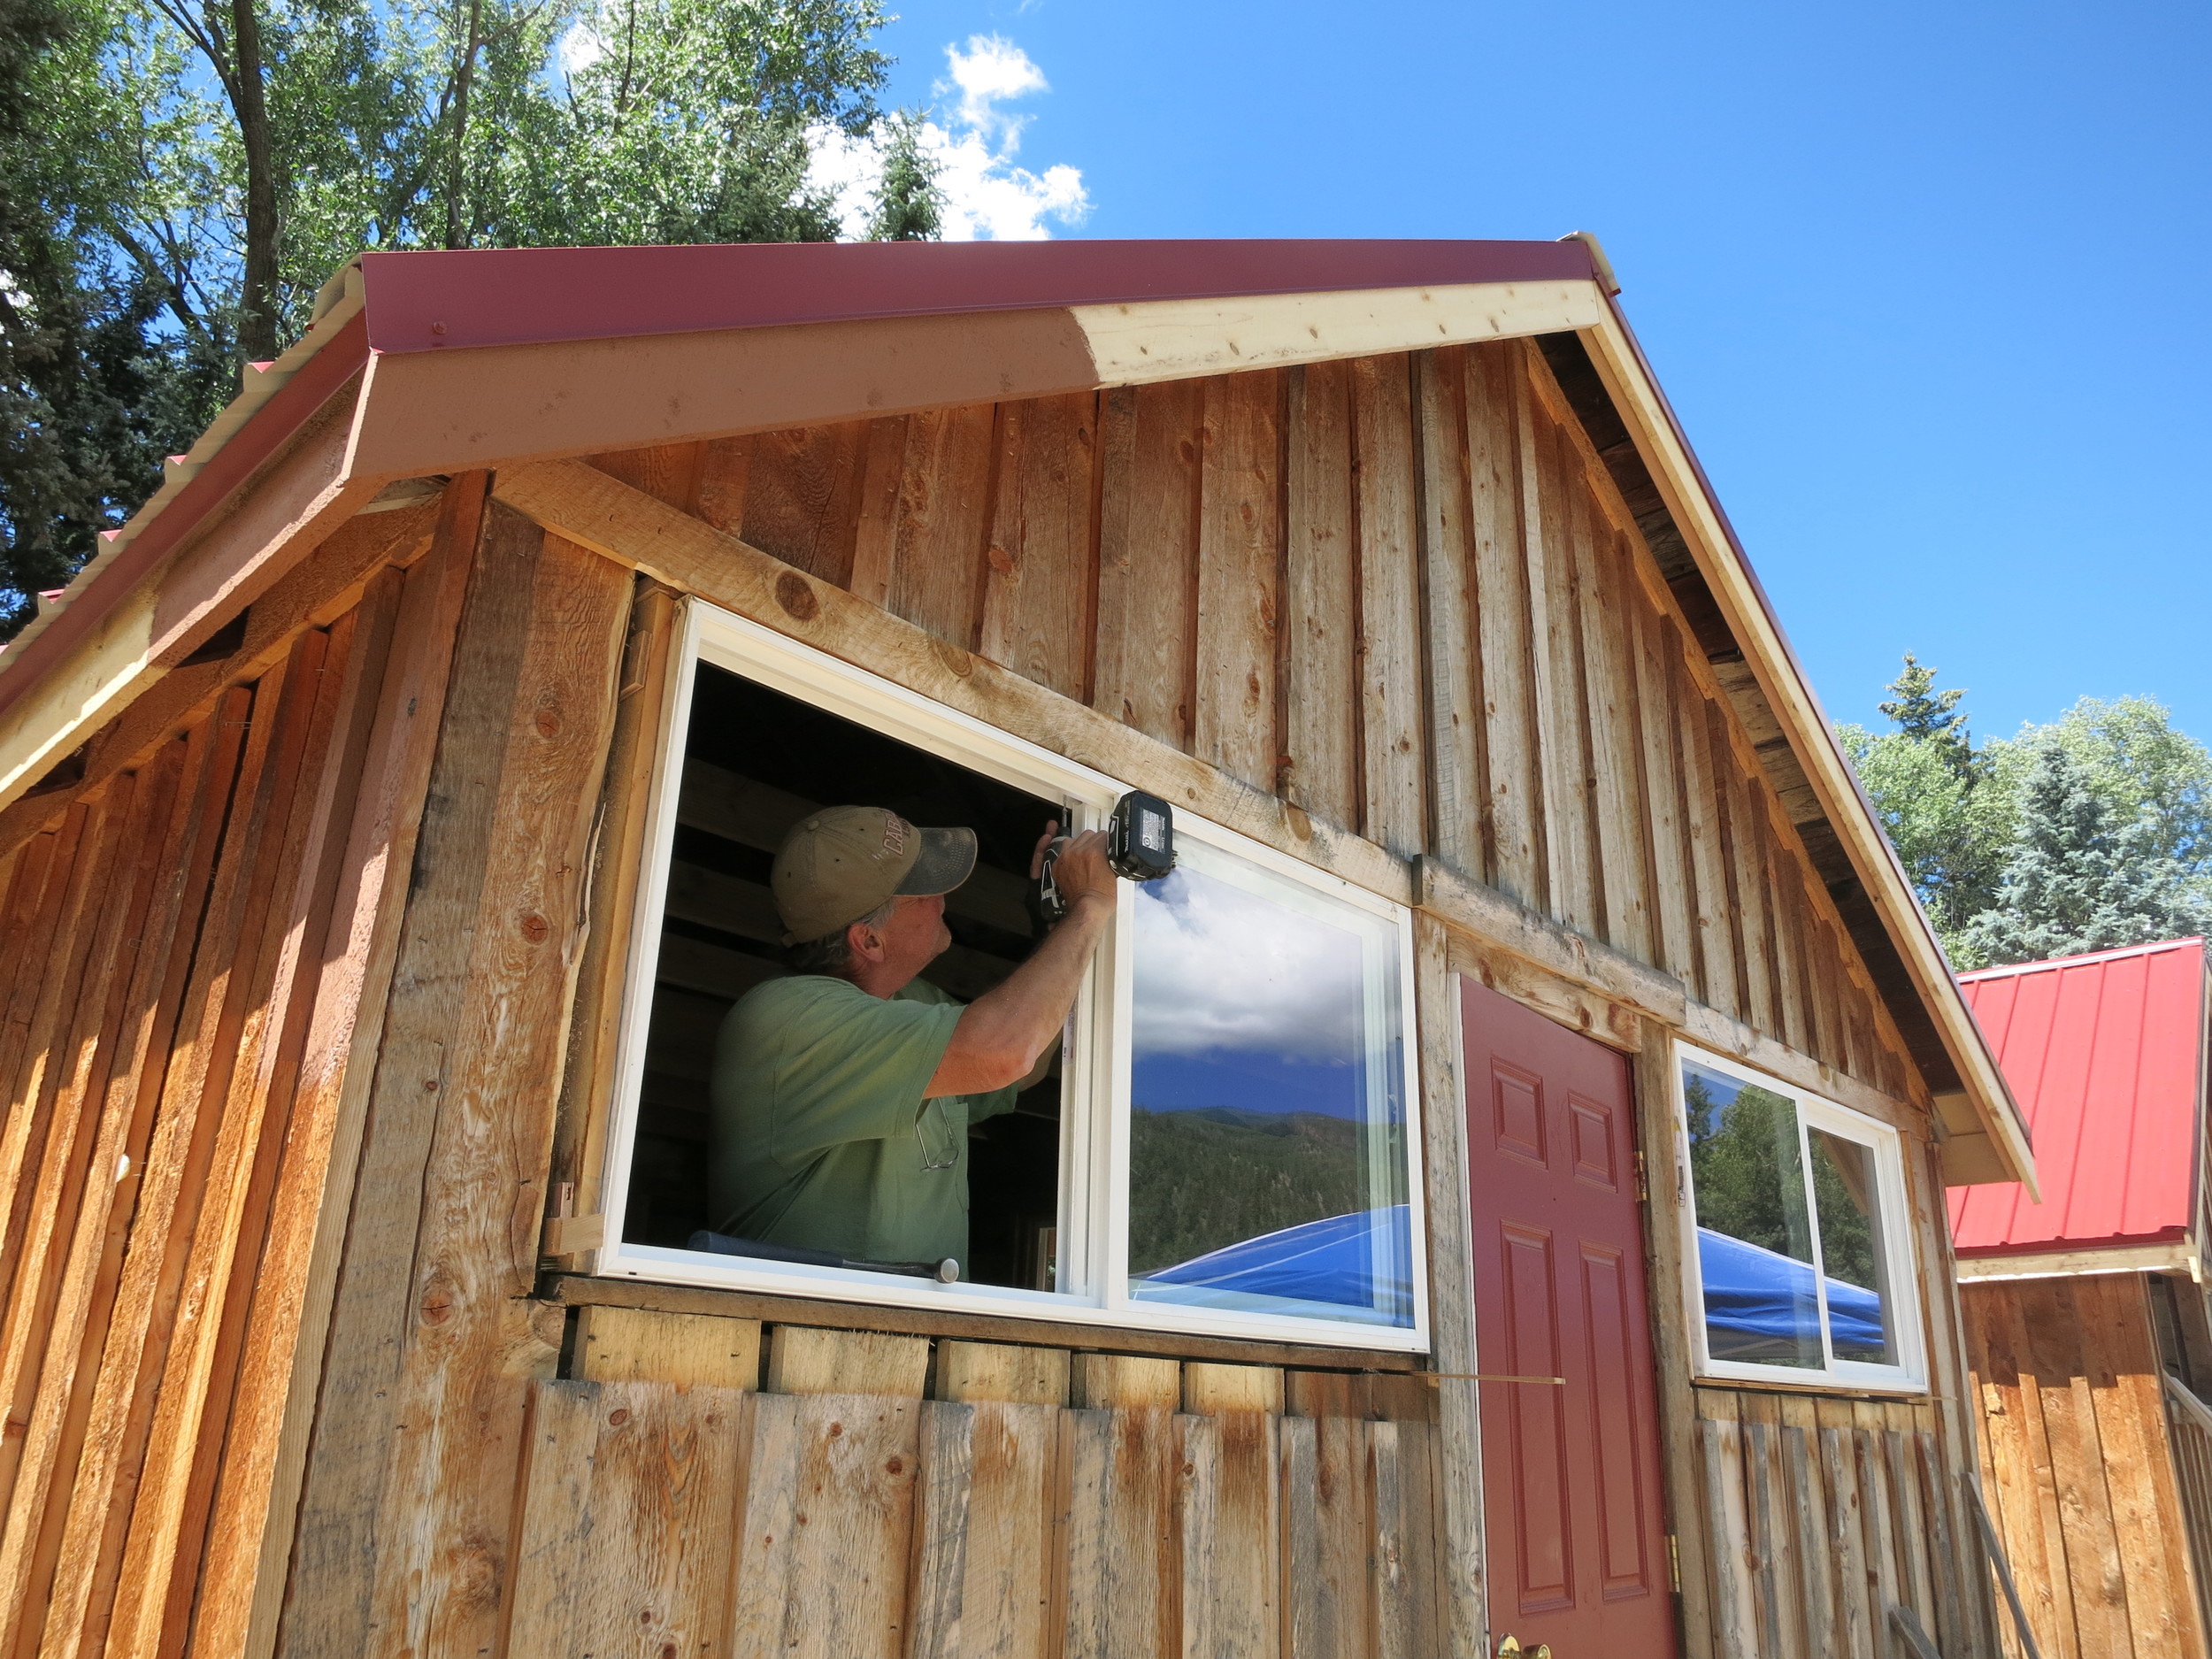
(456, 228)
(257, 304)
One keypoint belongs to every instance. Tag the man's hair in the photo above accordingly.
(833, 955)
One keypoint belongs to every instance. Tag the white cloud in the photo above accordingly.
(988, 197)
(1217, 967)
(580, 49)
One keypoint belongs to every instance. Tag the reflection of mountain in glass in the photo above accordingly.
(1199, 1180)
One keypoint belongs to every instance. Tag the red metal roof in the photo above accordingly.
(2104, 1055)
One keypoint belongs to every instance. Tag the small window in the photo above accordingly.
(1797, 1233)
(1225, 1139)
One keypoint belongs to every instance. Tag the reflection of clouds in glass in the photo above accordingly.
(1217, 967)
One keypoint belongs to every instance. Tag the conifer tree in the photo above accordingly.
(2080, 877)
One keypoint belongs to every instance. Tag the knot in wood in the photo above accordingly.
(534, 928)
(894, 1467)
(796, 595)
(548, 721)
(1001, 560)
(616, 1418)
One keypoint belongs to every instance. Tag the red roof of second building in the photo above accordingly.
(2103, 1054)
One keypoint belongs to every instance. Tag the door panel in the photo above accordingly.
(1577, 1546)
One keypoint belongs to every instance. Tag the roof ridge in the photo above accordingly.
(2117, 954)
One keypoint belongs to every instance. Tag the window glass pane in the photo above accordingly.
(1848, 1203)
(1754, 1241)
(1266, 1121)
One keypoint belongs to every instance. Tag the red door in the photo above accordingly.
(1574, 1536)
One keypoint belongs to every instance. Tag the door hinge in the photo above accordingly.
(1674, 1564)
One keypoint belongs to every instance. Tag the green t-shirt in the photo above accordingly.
(822, 1139)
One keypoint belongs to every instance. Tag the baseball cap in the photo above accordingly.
(839, 864)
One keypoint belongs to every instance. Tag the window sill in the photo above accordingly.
(1826, 1388)
(578, 1290)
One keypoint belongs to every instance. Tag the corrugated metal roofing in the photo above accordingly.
(2104, 1055)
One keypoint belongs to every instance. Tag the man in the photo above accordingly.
(842, 1095)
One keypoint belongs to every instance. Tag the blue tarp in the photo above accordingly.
(1331, 1261)
(1761, 1297)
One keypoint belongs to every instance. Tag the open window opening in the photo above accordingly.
(1801, 1264)
(754, 761)
(1224, 1139)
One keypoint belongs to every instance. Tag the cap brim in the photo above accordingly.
(947, 859)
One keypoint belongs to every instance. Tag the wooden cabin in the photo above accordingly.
(2086, 1325)
(1489, 1198)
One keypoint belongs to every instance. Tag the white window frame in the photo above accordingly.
(1900, 1258)
(1093, 1221)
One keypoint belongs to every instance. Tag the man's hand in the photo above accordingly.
(1004, 1032)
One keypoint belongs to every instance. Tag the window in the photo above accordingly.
(1797, 1230)
(1226, 1141)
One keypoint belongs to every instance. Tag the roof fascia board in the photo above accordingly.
(1171, 339)
(446, 412)
(2172, 1256)
(131, 633)
(1627, 375)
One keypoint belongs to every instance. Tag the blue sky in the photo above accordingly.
(1925, 283)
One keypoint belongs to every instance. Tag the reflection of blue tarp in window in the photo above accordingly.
(1333, 1261)
(1756, 1298)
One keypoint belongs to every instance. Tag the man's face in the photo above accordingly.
(916, 935)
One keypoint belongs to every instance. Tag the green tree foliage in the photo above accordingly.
(178, 178)
(1959, 814)
(2082, 876)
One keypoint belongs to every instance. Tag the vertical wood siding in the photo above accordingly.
(1402, 592)
(2076, 1464)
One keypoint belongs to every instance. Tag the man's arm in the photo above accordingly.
(1001, 1034)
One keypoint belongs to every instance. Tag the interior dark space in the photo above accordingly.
(756, 761)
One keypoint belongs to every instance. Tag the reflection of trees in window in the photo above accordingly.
(1201, 1180)
(1843, 1196)
(1744, 1160)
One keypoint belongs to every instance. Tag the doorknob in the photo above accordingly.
(1509, 1648)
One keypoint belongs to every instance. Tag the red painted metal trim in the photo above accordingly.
(287, 410)
(427, 302)
(2104, 1054)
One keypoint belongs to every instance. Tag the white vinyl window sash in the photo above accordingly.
(1370, 934)
(1799, 1266)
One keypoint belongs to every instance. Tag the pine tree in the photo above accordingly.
(1925, 715)
(2080, 878)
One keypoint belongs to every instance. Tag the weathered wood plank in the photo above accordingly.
(1858, 1629)
(1392, 740)
(940, 1531)
(1208, 1390)
(464, 1088)
(827, 1525)
(1457, 762)
(802, 497)
(1019, 1376)
(1674, 924)
(1505, 625)
(1321, 601)
(1227, 1496)
(624, 1544)
(1127, 1380)
(1151, 440)
(944, 507)
(1412, 1593)
(875, 537)
(266, 997)
(1038, 582)
(167, 1135)
(1609, 679)
(1233, 722)
(804, 1361)
(1008, 1609)
(1121, 1571)
(1568, 852)
(372, 801)
(1328, 1520)
(667, 472)
(1457, 1520)
(1734, 1612)
(686, 1349)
